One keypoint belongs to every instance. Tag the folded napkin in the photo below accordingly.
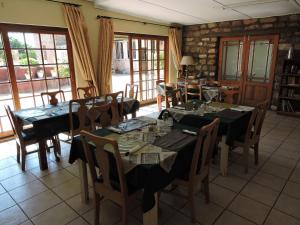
(189, 132)
(114, 129)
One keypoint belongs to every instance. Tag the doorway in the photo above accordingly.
(249, 62)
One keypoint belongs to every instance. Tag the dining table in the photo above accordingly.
(234, 121)
(50, 120)
(166, 154)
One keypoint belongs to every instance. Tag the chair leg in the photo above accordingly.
(18, 152)
(192, 204)
(58, 145)
(23, 156)
(124, 215)
(55, 148)
(206, 189)
(97, 209)
(256, 153)
(245, 157)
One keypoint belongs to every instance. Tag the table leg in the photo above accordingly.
(42, 155)
(84, 186)
(224, 157)
(159, 100)
(133, 114)
(151, 217)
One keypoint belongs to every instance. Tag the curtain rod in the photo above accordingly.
(67, 3)
(136, 21)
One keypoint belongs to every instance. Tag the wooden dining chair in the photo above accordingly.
(175, 95)
(24, 138)
(99, 116)
(200, 165)
(104, 185)
(52, 97)
(86, 92)
(131, 91)
(252, 136)
(78, 110)
(194, 90)
(116, 101)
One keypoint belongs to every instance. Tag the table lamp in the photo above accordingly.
(187, 61)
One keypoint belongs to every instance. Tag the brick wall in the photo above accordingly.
(202, 41)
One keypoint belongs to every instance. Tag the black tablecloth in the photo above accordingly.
(152, 178)
(233, 123)
(51, 120)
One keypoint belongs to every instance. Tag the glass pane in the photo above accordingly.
(1, 43)
(32, 40)
(39, 86)
(60, 41)
(47, 41)
(4, 75)
(16, 39)
(5, 123)
(65, 84)
(5, 91)
(162, 64)
(143, 43)
(22, 73)
(27, 103)
(161, 74)
(38, 100)
(35, 57)
(2, 58)
(260, 56)
(19, 57)
(25, 89)
(63, 71)
(51, 71)
(161, 54)
(161, 45)
(6, 102)
(53, 85)
(232, 56)
(68, 96)
(49, 56)
(135, 54)
(62, 56)
(37, 72)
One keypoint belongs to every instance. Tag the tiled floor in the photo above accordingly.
(269, 194)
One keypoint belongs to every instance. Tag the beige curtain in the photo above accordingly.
(78, 34)
(174, 43)
(106, 38)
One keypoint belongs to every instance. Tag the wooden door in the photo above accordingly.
(248, 63)
(258, 75)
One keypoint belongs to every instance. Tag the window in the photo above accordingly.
(33, 60)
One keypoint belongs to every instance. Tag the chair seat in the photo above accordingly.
(29, 134)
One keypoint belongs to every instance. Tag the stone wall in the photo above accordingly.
(202, 41)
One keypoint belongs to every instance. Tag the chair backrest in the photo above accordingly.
(262, 110)
(52, 97)
(252, 125)
(176, 96)
(194, 90)
(101, 156)
(78, 110)
(99, 115)
(131, 90)
(116, 106)
(86, 92)
(204, 147)
(15, 124)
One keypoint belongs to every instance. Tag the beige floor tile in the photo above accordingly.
(278, 218)
(73, 169)
(17, 181)
(268, 180)
(178, 218)
(292, 189)
(68, 189)
(250, 209)
(228, 218)
(52, 167)
(39, 203)
(56, 178)
(60, 214)
(28, 222)
(173, 200)
(282, 161)
(239, 170)
(6, 201)
(9, 172)
(109, 213)
(27, 191)
(7, 162)
(276, 170)
(288, 205)
(2, 190)
(131, 221)
(233, 183)
(281, 152)
(220, 195)
(295, 176)
(12, 216)
(206, 214)
(80, 207)
(78, 221)
(260, 193)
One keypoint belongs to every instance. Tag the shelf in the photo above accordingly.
(290, 86)
(290, 98)
(290, 75)
(295, 114)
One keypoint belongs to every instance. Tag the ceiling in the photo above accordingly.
(200, 11)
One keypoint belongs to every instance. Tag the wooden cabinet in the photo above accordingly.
(289, 92)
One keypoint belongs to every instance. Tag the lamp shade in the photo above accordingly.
(187, 61)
